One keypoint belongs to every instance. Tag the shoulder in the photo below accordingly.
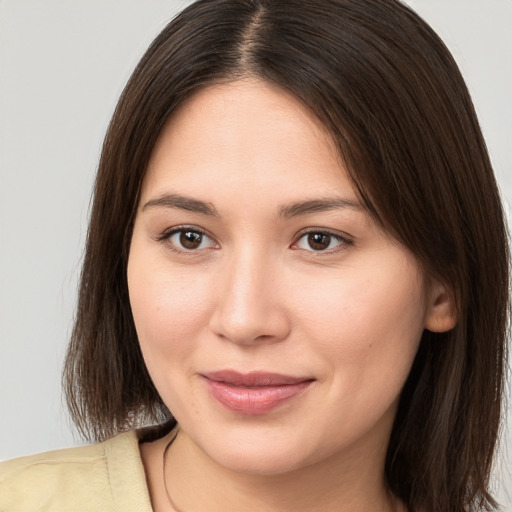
(107, 476)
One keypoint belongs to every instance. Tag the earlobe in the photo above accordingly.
(441, 315)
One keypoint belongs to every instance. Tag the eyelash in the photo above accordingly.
(344, 241)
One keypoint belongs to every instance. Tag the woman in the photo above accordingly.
(296, 268)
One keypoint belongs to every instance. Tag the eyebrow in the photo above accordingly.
(182, 203)
(319, 205)
(288, 211)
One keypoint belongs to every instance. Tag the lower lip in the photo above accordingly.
(254, 400)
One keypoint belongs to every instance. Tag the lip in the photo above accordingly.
(255, 392)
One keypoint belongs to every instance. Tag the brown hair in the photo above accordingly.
(390, 94)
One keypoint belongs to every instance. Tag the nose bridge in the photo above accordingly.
(248, 307)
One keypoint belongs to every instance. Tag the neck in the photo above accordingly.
(351, 482)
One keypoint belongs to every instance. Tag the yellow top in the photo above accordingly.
(106, 477)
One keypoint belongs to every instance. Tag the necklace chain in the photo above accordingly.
(171, 502)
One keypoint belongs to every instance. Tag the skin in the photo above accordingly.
(255, 295)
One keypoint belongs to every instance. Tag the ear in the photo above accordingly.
(441, 314)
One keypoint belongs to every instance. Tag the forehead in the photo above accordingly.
(248, 134)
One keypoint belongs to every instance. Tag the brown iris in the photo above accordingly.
(319, 241)
(190, 239)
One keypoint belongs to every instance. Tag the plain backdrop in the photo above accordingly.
(63, 64)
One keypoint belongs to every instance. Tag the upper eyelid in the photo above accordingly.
(332, 232)
(186, 227)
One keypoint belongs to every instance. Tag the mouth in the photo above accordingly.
(255, 392)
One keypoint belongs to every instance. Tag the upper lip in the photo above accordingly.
(256, 378)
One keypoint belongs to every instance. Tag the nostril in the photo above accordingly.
(251, 329)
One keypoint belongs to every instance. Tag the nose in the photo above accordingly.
(248, 307)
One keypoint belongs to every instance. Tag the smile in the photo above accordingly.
(253, 393)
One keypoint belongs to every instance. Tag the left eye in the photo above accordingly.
(190, 240)
(319, 241)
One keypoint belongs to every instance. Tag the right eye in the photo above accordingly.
(322, 242)
(188, 240)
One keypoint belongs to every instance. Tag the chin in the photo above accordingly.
(257, 462)
(262, 453)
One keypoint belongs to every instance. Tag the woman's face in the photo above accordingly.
(276, 319)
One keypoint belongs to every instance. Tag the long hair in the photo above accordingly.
(389, 93)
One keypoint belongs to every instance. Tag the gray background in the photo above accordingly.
(63, 65)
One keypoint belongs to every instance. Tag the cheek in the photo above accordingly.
(368, 326)
(169, 309)
(363, 310)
